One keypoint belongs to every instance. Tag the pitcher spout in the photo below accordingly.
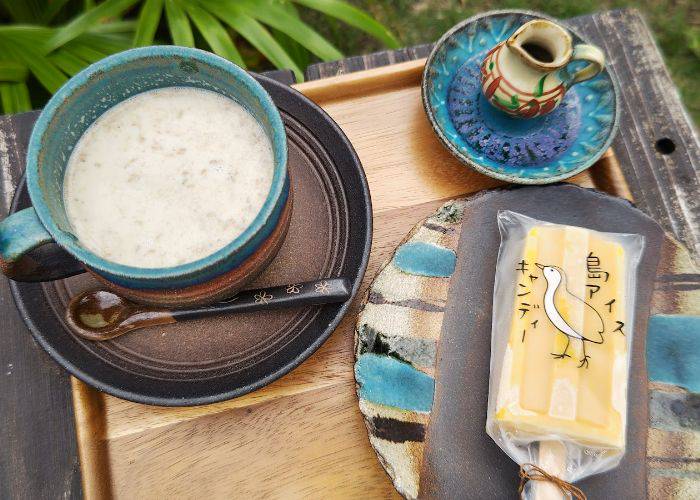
(542, 45)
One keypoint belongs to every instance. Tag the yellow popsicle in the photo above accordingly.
(565, 367)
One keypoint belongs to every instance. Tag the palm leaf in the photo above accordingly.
(22, 98)
(14, 97)
(24, 11)
(257, 36)
(107, 43)
(296, 51)
(52, 9)
(7, 98)
(275, 16)
(179, 25)
(354, 17)
(50, 54)
(37, 35)
(67, 61)
(83, 52)
(45, 71)
(91, 47)
(115, 27)
(148, 22)
(299, 54)
(86, 49)
(12, 71)
(215, 34)
(23, 44)
(87, 21)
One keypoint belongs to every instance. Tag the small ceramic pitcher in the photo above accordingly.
(528, 74)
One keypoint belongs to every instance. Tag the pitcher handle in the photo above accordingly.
(20, 234)
(595, 58)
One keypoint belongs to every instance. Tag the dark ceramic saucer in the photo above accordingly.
(208, 360)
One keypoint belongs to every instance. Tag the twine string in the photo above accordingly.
(530, 472)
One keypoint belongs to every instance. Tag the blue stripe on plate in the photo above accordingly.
(673, 350)
(387, 381)
(425, 259)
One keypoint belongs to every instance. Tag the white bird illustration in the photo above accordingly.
(555, 277)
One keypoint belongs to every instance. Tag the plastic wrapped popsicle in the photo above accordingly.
(566, 369)
(559, 368)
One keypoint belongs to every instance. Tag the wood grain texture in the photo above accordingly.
(138, 439)
(665, 186)
(39, 454)
(374, 60)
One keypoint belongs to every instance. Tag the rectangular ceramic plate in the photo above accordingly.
(303, 434)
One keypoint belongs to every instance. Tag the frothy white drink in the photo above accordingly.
(167, 177)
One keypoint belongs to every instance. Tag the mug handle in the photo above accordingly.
(21, 258)
(595, 58)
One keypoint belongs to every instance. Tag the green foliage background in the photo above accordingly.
(43, 42)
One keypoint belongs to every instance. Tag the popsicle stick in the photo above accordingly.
(551, 458)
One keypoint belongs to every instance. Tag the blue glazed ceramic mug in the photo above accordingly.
(75, 107)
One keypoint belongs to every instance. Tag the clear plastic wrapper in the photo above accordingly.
(563, 305)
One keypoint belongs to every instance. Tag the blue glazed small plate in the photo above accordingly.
(538, 150)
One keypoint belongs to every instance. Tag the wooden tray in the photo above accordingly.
(303, 435)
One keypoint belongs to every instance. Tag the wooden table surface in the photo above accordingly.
(39, 457)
